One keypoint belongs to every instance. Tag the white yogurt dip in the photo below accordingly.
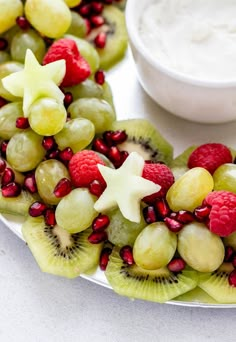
(194, 37)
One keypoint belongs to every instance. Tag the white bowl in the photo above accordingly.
(184, 96)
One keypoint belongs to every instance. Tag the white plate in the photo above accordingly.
(131, 102)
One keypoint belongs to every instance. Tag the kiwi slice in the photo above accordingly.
(154, 285)
(16, 205)
(58, 252)
(196, 295)
(217, 286)
(117, 39)
(145, 139)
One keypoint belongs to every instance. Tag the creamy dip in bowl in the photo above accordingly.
(185, 53)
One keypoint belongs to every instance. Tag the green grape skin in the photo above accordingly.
(8, 115)
(10, 10)
(4, 57)
(24, 40)
(155, 246)
(25, 151)
(107, 94)
(78, 27)
(47, 116)
(98, 111)
(75, 211)
(189, 190)
(10, 34)
(76, 134)
(225, 177)
(230, 240)
(51, 18)
(47, 174)
(5, 70)
(200, 248)
(72, 3)
(85, 89)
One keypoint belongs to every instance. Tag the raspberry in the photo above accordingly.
(159, 174)
(83, 168)
(222, 218)
(77, 68)
(210, 156)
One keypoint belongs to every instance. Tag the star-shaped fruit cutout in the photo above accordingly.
(125, 188)
(36, 81)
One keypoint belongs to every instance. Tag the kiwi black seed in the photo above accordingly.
(216, 284)
(154, 285)
(145, 139)
(58, 252)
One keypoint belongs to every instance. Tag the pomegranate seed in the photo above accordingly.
(229, 253)
(49, 143)
(3, 102)
(2, 165)
(232, 278)
(97, 20)
(37, 209)
(99, 77)
(118, 137)
(126, 254)
(22, 22)
(201, 213)
(97, 7)
(30, 183)
(62, 188)
(11, 190)
(100, 146)
(97, 237)
(49, 217)
(176, 265)
(108, 2)
(3, 44)
(107, 137)
(85, 10)
(234, 261)
(68, 99)
(54, 154)
(162, 208)
(124, 156)
(96, 188)
(22, 122)
(8, 176)
(100, 40)
(185, 216)
(101, 222)
(115, 156)
(4, 147)
(104, 258)
(66, 155)
(173, 225)
(149, 214)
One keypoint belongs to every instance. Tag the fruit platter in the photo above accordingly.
(92, 178)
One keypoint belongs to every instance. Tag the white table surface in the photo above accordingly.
(38, 307)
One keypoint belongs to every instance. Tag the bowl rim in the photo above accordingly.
(134, 38)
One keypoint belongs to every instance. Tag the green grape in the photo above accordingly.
(98, 111)
(75, 211)
(10, 34)
(78, 27)
(47, 116)
(72, 3)
(189, 190)
(85, 89)
(200, 248)
(154, 247)
(107, 94)
(25, 150)
(24, 40)
(87, 51)
(4, 57)
(5, 70)
(47, 174)
(230, 240)
(8, 115)
(77, 133)
(50, 18)
(225, 177)
(10, 10)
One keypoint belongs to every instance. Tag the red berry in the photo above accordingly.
(210, 156)
(159, 174)
(77, 68)
(84, 170)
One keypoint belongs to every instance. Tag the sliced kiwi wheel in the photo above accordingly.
(117, 40)
(145, 139)
(196, 295)
(155, 285)
(16, 205)
(58, 252)
(217, 286)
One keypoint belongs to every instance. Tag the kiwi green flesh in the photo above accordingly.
(16, 205)
(145, 139)
(196, 295)
(58, 252)
(156, 285)
(216, 284)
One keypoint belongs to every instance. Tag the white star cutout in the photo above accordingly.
(125, 188)
(36, 81)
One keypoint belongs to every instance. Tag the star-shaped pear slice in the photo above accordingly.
(125, 188)
(36, 81)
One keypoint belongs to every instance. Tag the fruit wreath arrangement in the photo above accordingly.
(96, 192)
